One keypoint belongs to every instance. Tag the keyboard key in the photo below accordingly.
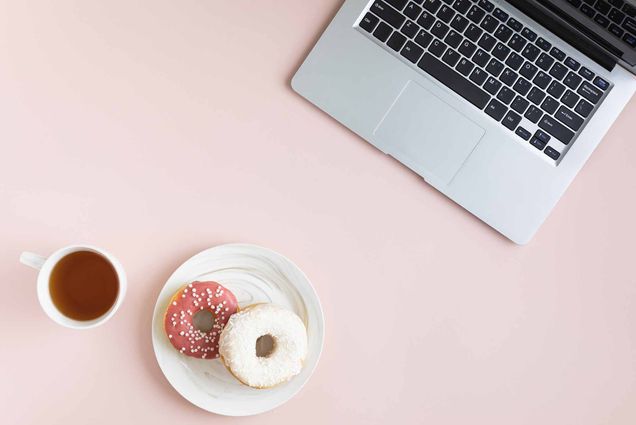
(544, 62)
(601, 20)
(543, 44)
(451, 57)
(556, 129)
(475, 14)
(522, 86)
(500, 14)
(629, 10)
(536, 96)
(550, 105)
(552, 153)
(508, 77)
(511, 120)
(587, 10)
(486, 42)
(369, 22)
(570, 98)
(569, 118)
(572, 80)
(575, 3)
(506, 95)
(492, 85)
(503, 33)
(465, 66)
(494, 67)
(454, 81)
(514, 24)
(544, 137)
(514, 61)
(410, 29)
(383, 31)
(423, 38)
(590, 92)
(519, 104)
(523, 133)
(473, 33)
(496, 109)
(584, 108)
(630, 39)
(556, 89)
(528, 70)
(467, 48)
(453, 39)
(586, 73)
(530, 52)
(412, 51)
(432, 5)
(517, 43)
(572, 64)
(489, 23)
(601, 83)
(478, 76)
(439, 29)
(529, 34)
(533, 114)
(500, 51)
(630, 25)
(558, 71)
(481, 58)
(412, 10)
(388, 14)
(437, 48)
(602, 7)
(485, 4)
(398, 4)
(616, 16)
(616, 30)
(396, 41)
(557, 54)
(542, 80)
(459, 23)
(537, 143)
(426, 20)
(461, 6)
(445, 14)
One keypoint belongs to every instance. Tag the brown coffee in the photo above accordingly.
(84, 285)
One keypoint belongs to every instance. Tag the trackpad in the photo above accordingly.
(427, 134)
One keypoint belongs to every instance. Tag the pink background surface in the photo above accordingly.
(156, 129)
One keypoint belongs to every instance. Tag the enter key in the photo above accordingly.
(569, 118)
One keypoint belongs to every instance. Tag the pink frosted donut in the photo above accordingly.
(190, 299)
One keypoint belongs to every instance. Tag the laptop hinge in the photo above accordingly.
(570, 30)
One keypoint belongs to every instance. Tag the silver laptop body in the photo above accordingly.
(496, 104)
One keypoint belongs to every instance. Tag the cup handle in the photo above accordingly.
(32, 260)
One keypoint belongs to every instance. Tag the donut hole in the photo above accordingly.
(265, 345)
(203, 320)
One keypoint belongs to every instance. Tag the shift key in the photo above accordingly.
(556, 129)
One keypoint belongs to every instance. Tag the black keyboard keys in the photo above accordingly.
(412, 51)
(454, 80)
(533, 114)
(550, 105)
(569, 118)
(584, 108)
(383, 31)
(388, 14)
(496, 109)
(590, 92)
(503, 33)
(369, 22)
(511, 120)
(556, 129)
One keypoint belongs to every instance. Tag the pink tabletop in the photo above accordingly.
(156, 129)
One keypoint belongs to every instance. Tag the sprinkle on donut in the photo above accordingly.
(189, 300)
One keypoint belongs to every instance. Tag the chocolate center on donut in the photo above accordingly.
(265, 345)
(203, 320)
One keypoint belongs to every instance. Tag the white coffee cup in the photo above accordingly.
(45, 267)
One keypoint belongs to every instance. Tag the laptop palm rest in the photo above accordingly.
(427, 134)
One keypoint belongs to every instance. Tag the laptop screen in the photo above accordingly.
(604, 30)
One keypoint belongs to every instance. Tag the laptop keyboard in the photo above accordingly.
(616, 16)
(493, 61)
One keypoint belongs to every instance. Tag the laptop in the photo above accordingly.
(496, 104)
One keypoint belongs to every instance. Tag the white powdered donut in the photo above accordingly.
(237, 345)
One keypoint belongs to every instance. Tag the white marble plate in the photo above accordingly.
(253, 274)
